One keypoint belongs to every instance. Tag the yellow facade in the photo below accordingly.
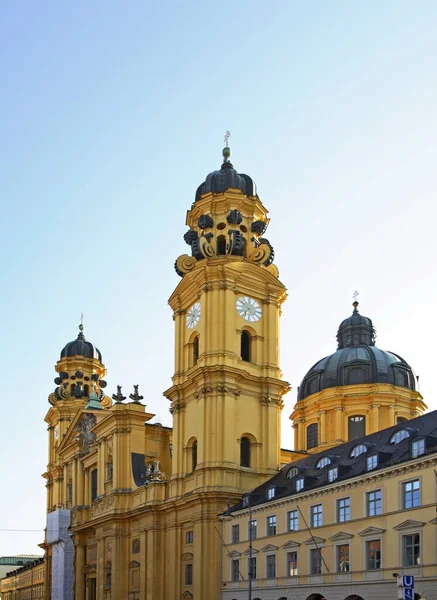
(26, 583)
(362, 532)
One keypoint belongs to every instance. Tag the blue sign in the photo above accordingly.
(407, 581)
(408, 593)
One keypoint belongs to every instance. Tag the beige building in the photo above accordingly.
(25, 582)
(340, 524)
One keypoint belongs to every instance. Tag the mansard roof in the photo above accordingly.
(389, 453)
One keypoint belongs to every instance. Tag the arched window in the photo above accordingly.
(312, 436)
(85, 390)
(194, 455)
(323, 462)
(221, 245)
(399, 436)
(356, 427)
(195, 350)
(357, 450)
(292, 472)
(245, 452)
(245, 346)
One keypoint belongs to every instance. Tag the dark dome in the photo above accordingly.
(218, 182)
(356, 361)
(80, 347)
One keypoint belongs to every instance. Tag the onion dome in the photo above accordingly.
(218, 182)
(80, 347)
(357, 361)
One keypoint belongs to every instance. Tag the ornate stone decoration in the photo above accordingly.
(234, 217)
(205, 222)
(135, 397)
(87, 437)
(118, 397)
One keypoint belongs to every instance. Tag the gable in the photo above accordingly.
(314, 540)
(269, 548)
(290, 544)
(409, 524)
(234, 554)
(371, 531)
(341, 535)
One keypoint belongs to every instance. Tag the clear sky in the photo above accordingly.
(112, 113)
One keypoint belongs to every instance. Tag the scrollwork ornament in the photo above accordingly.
(261, 255)
(184, 264)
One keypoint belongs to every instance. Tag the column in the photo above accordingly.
(375, 418)
(79, 579)
(391, 415)
(339, 424)
(322, 420)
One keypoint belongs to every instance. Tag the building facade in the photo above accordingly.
(24, 582)
(341, 524)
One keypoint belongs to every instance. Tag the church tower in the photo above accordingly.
(227, 390)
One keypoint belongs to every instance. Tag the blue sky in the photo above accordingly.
(112, 113)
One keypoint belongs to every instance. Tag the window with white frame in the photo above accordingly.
(332, 474)
(357, 450)
(411, 493)
(417, 448)
(323, 462)
(299, 484)
(189, 574)
(235, 570)
(189, 537)
(374, 503)
(398, 436)
(373, 554)
(292, 472)
(315, 561)
(343, 558)
(343, 510)
(271, 566)
(271, 525)
(235, 534)
(316, 514)
(372, 462)
(291, 569)
(411, 550)
(252, 530)
(251, 568)
(270, 493)
(292, 520)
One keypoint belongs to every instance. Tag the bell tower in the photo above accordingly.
(227, 390)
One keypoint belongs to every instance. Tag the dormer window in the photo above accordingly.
(398, 436)
(270, 493)
(372, 462)
(417, 448)
(357, 450)
(246, 500)
(323, 462)
(332, 474)
(292, 472)
(299, 484)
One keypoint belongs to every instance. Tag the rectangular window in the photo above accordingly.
(374, 503)
(343, 558)
(299, 484)
(271, 566)
(417, 448)
(411, 493)
(235, 570)
(188, 574)
(271, 525)
(411, 550)
(292, 520)
(373, 554)
(235, 534)
(270, 493)
(291, 564)
(343, 510)
(316, 513)
(371, 462)
(315, 561)
(253, 526)
(189, 537)
(332, 474)
(93, 484)
(251, 568)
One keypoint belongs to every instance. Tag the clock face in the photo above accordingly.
(249, 309)
(193, 315)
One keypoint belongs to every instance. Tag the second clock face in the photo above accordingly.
(193, 315)
(249, 309)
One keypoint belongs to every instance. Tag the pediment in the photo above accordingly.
(341, 535)
(187, 594)
(371, 531)
(234, 554)
(290, 544)
(254, 551)
(433, 521)
(187, 556)
(409, 524)
(269, 548)
(314, 540)
(89, 568)
(133, 564)
(80, 430)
